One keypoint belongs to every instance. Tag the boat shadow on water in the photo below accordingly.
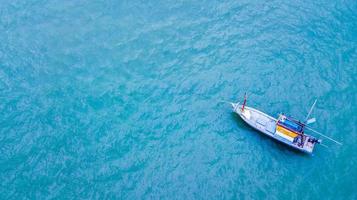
(280, 146)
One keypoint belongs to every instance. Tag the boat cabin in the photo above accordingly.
(289, 128)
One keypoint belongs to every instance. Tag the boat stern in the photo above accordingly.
(310, 143)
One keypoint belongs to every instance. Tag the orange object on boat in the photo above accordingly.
(286, 131)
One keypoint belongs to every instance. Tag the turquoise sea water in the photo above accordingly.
(120, 99)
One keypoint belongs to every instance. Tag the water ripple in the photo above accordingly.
(108, 100)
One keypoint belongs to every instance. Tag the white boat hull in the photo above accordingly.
(267, 125)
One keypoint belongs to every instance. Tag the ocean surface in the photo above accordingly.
(122, 99)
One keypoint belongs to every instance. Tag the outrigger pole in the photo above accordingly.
(313, 120)
(308, 115)
(323, 135)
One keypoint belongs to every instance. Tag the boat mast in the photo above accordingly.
(245, 101)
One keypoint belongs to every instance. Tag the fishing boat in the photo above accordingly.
(284, 129)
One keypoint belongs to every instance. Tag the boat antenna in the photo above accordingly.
(337, 142)
(307, 121)
(245, 101)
